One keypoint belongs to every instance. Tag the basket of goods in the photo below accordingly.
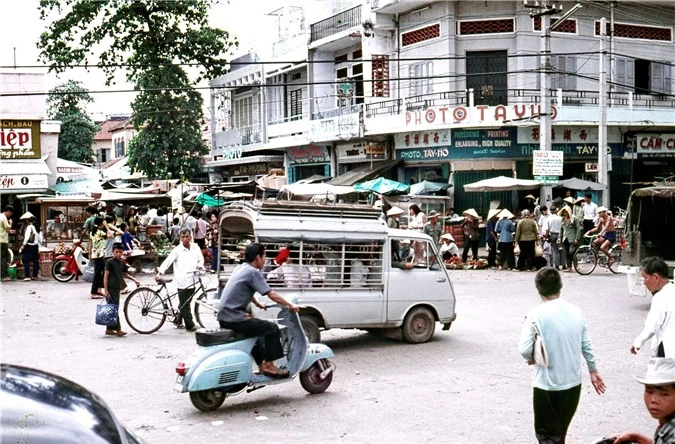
(454, 263)
(162, 244)
(152, 230)
(62, 248)
(477, 265)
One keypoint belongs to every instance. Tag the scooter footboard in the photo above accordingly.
(219, 370)
(316, 352)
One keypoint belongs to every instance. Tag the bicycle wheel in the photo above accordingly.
(206, 309)
(615, 254)
(145, 310)
(585, 260)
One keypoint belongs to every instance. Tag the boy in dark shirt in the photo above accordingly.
(113, 281)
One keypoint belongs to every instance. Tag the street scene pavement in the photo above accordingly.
(467, 385)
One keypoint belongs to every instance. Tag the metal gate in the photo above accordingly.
(480, 201)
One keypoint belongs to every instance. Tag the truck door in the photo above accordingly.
(427, 282)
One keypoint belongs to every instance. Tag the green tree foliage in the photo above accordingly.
(152, 40)
(67, 102)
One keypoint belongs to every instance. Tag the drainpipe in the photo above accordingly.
(398, 64)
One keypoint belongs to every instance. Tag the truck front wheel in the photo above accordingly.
(419, 326)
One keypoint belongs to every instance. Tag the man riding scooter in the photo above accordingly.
(238, 293)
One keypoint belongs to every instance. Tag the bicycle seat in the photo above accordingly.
(163, 280)
(218, 336)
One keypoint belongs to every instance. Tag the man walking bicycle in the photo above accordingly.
(186, 259)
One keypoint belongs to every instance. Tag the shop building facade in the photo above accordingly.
(450, 92)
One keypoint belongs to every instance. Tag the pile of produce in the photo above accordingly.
(455, 263)
(161, 244)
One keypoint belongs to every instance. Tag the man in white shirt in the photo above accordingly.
(553, 225)
(186, 259)
(660, 322)
(590, 211)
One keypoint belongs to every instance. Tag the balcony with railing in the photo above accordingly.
(337, 23)
(246, 135)
(572, 98)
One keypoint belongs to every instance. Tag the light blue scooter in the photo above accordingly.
(223, 366)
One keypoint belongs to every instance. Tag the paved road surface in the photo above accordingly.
(468, 385)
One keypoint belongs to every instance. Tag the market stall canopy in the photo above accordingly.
(316, 189)
(502, 183)
(86, 187)
(382, 186)
(359, 174)
(426, 187)
(580, 184)
(113, 196)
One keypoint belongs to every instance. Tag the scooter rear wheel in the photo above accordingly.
(59, 272)
(207, 400)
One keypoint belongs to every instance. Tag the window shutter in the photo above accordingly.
(667, 79)
(656, 77)
(630, 74)
(571, 68)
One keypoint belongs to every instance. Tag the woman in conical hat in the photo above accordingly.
(505, 229)
(471, 235)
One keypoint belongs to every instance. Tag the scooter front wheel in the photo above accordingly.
(60, 271)
(207, 400)
(311, 380)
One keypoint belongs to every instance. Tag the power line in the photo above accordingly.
(264, 63)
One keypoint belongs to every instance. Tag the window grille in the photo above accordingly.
(420, 35)
(495, 26)
(380, 76)
(624, 30)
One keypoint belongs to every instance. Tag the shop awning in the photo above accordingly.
(502, 183)
(364, 173)
(580, 184)
(77, 187)
(24, 176)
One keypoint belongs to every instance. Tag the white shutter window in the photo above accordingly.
(429, 81)
(630, 74)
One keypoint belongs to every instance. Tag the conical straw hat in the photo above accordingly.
(471, 212)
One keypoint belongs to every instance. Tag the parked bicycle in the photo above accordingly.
(146, 309)
(587, 257)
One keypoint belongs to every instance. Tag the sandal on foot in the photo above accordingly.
(280, 373)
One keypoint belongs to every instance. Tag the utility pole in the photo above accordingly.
(603, 177)
(544, 11)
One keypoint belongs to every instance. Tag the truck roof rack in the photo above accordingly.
(307, 209)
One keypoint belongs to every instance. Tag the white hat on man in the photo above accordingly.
(660, 371)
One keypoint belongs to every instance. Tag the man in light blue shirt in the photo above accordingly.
(557, 387)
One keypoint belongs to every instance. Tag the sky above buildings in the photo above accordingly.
(22, 27)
